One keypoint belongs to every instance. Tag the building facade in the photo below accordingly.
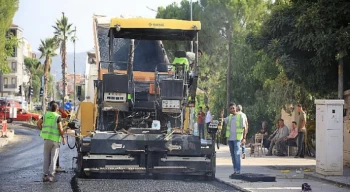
(79, 80)
(18, 76)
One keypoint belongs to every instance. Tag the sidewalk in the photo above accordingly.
(283, 168)
(10, 134)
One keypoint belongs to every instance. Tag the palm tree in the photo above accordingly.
(63, 31)
(47, 49)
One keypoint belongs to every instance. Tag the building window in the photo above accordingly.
(13, 80)
(14, 53)
(14, 66)
(6, 81)
(12, 32)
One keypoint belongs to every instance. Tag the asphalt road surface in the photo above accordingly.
(21, 170)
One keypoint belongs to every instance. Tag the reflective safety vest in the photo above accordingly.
(50, 128)
(181, 61)
(239, 127)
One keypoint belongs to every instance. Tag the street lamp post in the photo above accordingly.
(75, 30)
(54, 86)
(191, 20)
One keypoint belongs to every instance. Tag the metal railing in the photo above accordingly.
(10, 86)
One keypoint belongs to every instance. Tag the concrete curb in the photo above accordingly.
(320, 178)
(4, 141)
(232, 185)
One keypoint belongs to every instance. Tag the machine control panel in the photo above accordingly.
(171, 104)
(114, 97)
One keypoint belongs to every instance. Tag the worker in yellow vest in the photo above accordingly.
(52, 132)
(236, 133)
(180, 60)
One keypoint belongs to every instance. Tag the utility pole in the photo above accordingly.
(191, 20)
(229, 66)
(75, 30)
(341, 75)
(1, 84)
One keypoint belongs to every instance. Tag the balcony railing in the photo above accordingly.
(10, 86)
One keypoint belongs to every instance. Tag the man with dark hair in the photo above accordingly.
(236, 133)
(200, 53)
(58, 168)
(208, 117)
(301, 131)
(52, 132)
(200, 122)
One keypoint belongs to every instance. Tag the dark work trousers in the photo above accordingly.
(201, 130)
(58, 162)
(266, 143)
(301, 144)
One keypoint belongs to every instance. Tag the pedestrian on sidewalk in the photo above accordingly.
(245, 121)
(200, 122)
(301, 131)
(51, 132)
(236, 133)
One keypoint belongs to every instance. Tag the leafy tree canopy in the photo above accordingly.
(8, 9)
(307, 38)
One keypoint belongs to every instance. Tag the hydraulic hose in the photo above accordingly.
(75, 142)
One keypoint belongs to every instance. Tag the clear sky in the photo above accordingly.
(36, 17)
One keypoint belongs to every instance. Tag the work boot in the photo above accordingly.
(51, 178)
(59, 169)
(45, 178)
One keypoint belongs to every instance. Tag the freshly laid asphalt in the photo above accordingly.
(21, 170)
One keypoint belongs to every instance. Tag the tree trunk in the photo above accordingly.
(64, 69)
(229, 66)
(341, 75)
(46, 80)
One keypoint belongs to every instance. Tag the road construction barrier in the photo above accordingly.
(4, 127)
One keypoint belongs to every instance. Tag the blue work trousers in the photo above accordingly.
(235, 154)
(201, 130)
(243, 149)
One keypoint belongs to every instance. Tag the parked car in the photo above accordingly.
(22, 115)
(38, 108)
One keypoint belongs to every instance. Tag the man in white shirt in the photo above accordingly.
(208, 117)
(245, 121)
(236, 134)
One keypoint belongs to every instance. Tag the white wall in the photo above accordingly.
(91, 75)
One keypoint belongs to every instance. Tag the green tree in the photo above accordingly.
(47, 49)
(307, 42)
(8, 9)
(225, 25)
(36, 72)
(63, 31)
